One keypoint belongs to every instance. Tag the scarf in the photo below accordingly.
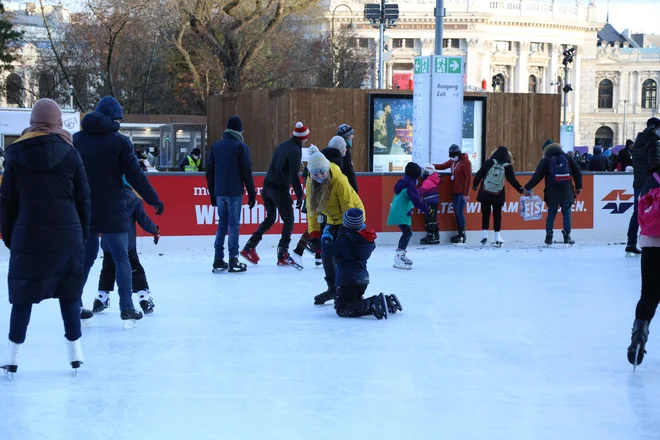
(46, 117)
(237, 134)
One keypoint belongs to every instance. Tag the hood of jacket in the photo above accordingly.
(362, 242)
(334, 156)
(465, 156)
(405, 182)
(40, 152)
(553, 150)
(501, 155)
(97, 123)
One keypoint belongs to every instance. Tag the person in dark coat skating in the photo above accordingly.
(136, 214)
(44, 222)
(491, 201)
(108, 157)
(282, 174)
(561, 174)
(351, 250)
(646, 157)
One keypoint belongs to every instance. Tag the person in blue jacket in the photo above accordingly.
(351, 250)
(44, 221)
(137, 215)
(108, 156)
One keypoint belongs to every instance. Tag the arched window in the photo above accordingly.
(531, 85)
(649, 94)
(604, 137)
(46, 85)
(14, 90)
(605, 94)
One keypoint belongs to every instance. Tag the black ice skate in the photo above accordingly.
(86, 316)
(640, 334)
(393, 304)
(378, 306)
(146, 302)
(236, 266)
(548, 237)
(328, 295)
(567, 238)
(318, 262)
(101, 302)
(130, 318)
(219, 266)
(632, 251)
(432, 235)
(458, 238)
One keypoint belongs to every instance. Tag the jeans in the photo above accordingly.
(633, 227)
(229, 220)
(107, 277)
(276, 199)
(486, 208)
(118, 244)
(20, 319)
(565, 214)
(459, 210)
(406, 234)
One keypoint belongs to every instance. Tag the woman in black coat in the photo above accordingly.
(495, 202)
(44, 221)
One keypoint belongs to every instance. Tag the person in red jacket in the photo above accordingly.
(461, 177)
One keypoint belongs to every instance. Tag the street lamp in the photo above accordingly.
(569, 56)
(351, 26)
(381, 16)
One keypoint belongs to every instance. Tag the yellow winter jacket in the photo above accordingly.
(342, 198)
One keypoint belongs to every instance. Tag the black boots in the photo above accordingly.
(548, 237)
(432, 234)
(459, 238)
(567, 237)
(640, 334)
(329, 295)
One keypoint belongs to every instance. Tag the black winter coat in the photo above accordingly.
(502, 156)
(347, 169)
(624, 159)
(44, 219)
(284, 166)
(107, 156)
(555, 193)
(229, 168)
(598, 162)
(136, 214)
(351, 250)
(646, 156)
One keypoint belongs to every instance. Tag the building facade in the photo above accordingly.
(517, 46)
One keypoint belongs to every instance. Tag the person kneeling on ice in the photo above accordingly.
(351, 250)
(136, 213)
(401, 209)
(428, 190)
(329, 194)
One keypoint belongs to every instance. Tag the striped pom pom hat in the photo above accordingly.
(301, 132)
(353, 219)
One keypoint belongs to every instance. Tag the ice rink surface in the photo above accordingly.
(521, 342)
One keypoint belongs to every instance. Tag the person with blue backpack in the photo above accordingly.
(563, 182)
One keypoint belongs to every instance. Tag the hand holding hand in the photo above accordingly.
(526, 192)
(299, 202)
(466, 199)
(156, 235)
(214, 201)
(251, 202)
(160, 208)
(578, 191)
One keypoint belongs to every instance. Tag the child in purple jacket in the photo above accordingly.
(405, 197)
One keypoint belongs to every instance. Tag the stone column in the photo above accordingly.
(472, 62)
(577, 87)
(552, 70)
(521, 77)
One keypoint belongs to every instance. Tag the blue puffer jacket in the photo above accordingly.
(229, 168)
(44, 219)
(135, 214)
(351, 250)
(107, 156)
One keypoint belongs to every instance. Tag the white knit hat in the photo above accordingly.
(338, 143)
(317, 162)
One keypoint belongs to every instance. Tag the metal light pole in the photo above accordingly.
(625, 106)
(439, 21)
(381, 16)
(565, 91)
(381, 48)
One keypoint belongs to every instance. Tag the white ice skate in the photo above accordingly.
(296, 259)
(101, 302)
(484, 236)
(12, 359)
(498, 240)
(76, 358)
(146, 302)
(401, 261)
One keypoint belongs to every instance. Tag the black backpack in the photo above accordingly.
(560, 171)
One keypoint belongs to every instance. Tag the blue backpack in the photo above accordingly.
(560, 171)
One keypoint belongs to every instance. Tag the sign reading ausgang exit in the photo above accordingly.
(446, 106)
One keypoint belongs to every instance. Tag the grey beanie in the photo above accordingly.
(338, 143)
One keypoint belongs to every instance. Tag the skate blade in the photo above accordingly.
(636, 358)
(9, 375)
(86, 322)
(130, 323)
(291, 263)
(218, 270)
(632, 255)
(247, 259)
(402, 267)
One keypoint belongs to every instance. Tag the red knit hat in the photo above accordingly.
(301, 132)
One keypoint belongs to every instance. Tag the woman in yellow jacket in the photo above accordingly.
(329, 194)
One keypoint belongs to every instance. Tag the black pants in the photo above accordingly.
(349, 302)
(486, 209)
(329, 261)
(107, 278)
(276, 199)
(20, 319)
(431, 221)
(650, 284)
(406, 234)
